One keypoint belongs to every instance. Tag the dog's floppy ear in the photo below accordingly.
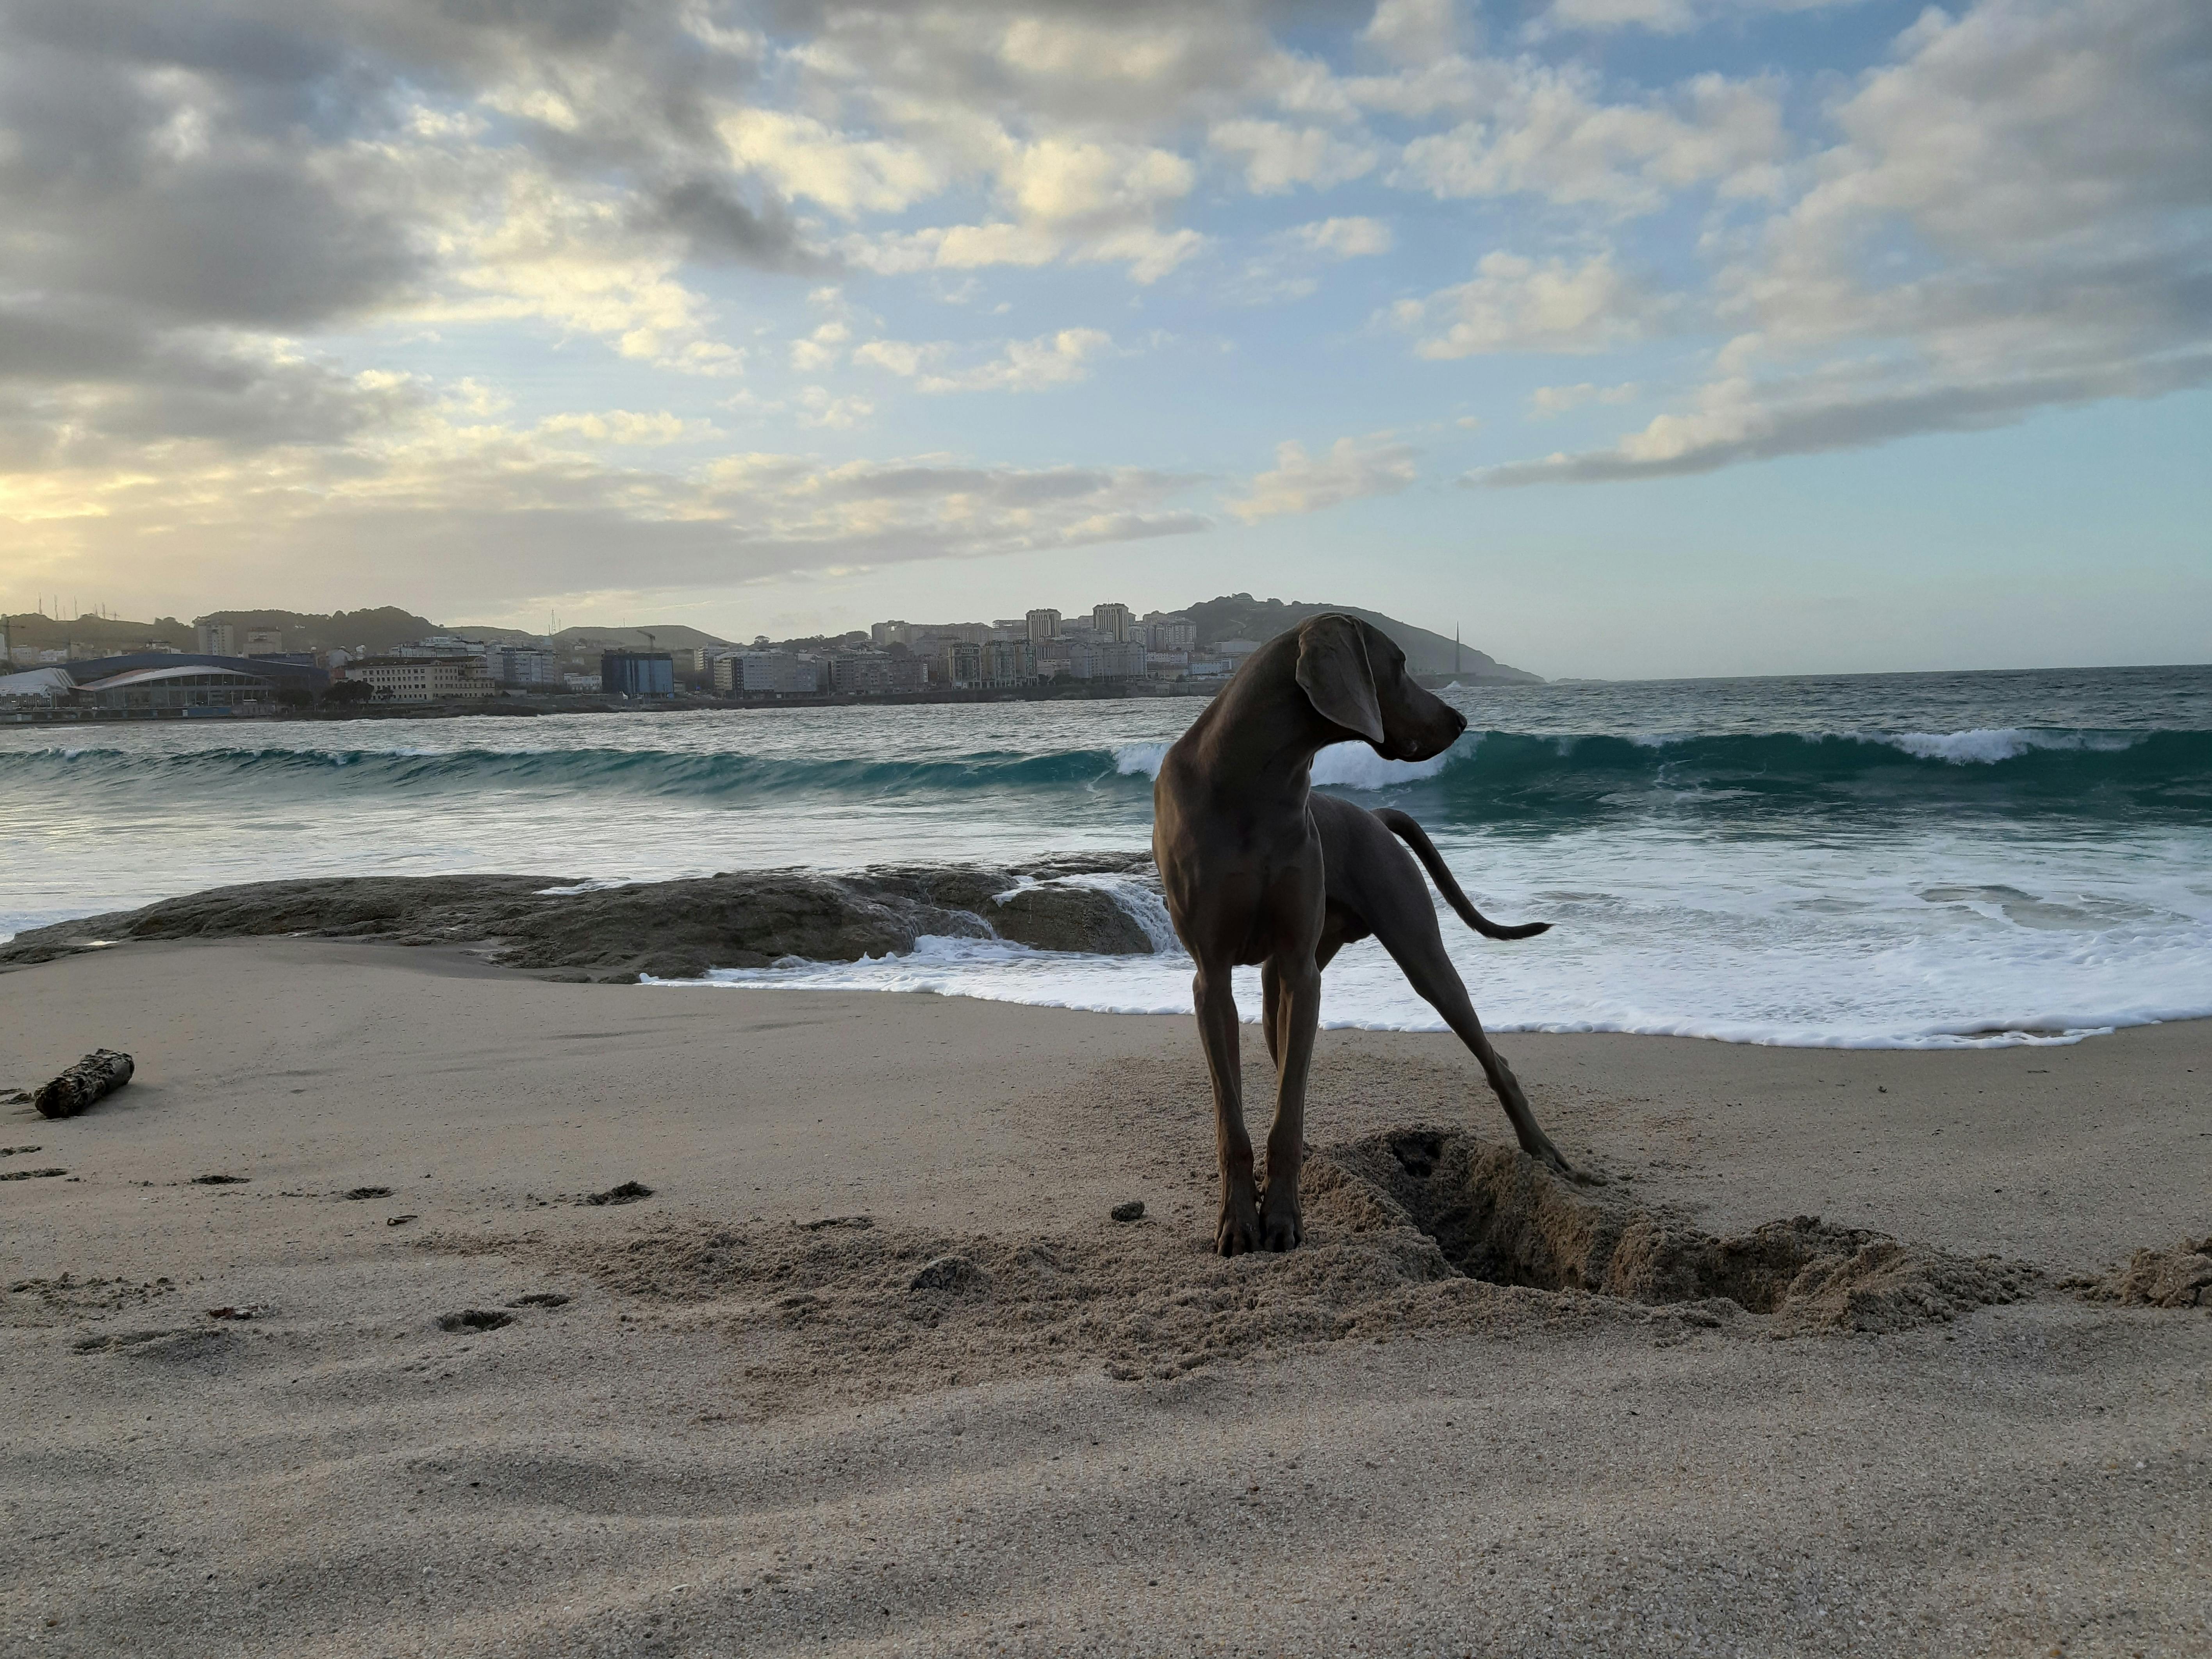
(1333, 673)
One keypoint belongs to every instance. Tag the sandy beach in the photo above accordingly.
(872, 1371)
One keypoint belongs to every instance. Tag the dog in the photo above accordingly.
(1257, 869)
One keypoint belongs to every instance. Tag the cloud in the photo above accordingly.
(1300, 483)
(2018, 215)
(1548, 400)
(1544, 134)
(849, 176)
(1662, 17)
(1414, 31)
(1740, 421)
(820, 349)
(1057, 182)
(419, 505)
(1150, 254)
(1284, 268)
(1278, 158)
(1342, 238)
(1515, 304)
(1049, 360)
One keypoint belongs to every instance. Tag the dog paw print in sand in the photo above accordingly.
(475, 1319)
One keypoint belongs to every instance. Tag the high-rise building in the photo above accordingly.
(1111, 621)
(884, 633)
(216, 638)
(1044, 625)
(1170, 632)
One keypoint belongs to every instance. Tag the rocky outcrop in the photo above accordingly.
(668, 929)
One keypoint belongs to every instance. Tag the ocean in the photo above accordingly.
(1918, 860)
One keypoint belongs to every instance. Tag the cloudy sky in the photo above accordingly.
(1633, 336)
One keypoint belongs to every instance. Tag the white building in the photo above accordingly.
(521, 665)
(1112, 622)
(1107, 659)
(1044, 626)
(423, 679)
(216, 639)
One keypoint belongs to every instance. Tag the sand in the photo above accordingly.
(871, 1370)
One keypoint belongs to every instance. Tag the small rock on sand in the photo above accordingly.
(1132, 1210)
(629, 1193)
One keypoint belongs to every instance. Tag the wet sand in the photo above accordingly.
(991, 1418)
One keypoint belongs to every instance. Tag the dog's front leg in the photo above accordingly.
(1282, 1225)
(1239, 1227)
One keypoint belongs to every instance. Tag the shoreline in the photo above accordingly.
(871, 1366)
(880, 930)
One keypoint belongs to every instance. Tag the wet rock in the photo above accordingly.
(666, 930)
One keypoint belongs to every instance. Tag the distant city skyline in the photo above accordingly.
(1636, 337)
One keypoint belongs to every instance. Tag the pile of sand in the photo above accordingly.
(1414, 1229)
(2179, 1276)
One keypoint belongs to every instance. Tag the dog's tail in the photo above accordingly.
(1426, 850)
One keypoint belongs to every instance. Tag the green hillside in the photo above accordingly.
(1240, 617)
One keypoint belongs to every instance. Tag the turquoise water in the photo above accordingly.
(1889, 860)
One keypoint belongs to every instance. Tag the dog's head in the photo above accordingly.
(1355, 677)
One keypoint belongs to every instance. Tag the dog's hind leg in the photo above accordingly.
(1406, 922)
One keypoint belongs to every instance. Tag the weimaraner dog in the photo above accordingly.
(1255, 868)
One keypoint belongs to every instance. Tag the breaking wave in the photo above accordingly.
(1487, 777)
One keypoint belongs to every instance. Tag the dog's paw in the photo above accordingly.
(1238, 1231)
(1281, 1230)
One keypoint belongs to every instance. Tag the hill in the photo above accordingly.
(367, 629)
(1240, 617)
(107, 635)
(660, 638)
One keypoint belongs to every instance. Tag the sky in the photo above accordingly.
(1631, 338)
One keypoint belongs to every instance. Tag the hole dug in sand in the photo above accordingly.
(1498, 1215)
(1418, 1230)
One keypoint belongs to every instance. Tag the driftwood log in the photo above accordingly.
(100, 1074)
